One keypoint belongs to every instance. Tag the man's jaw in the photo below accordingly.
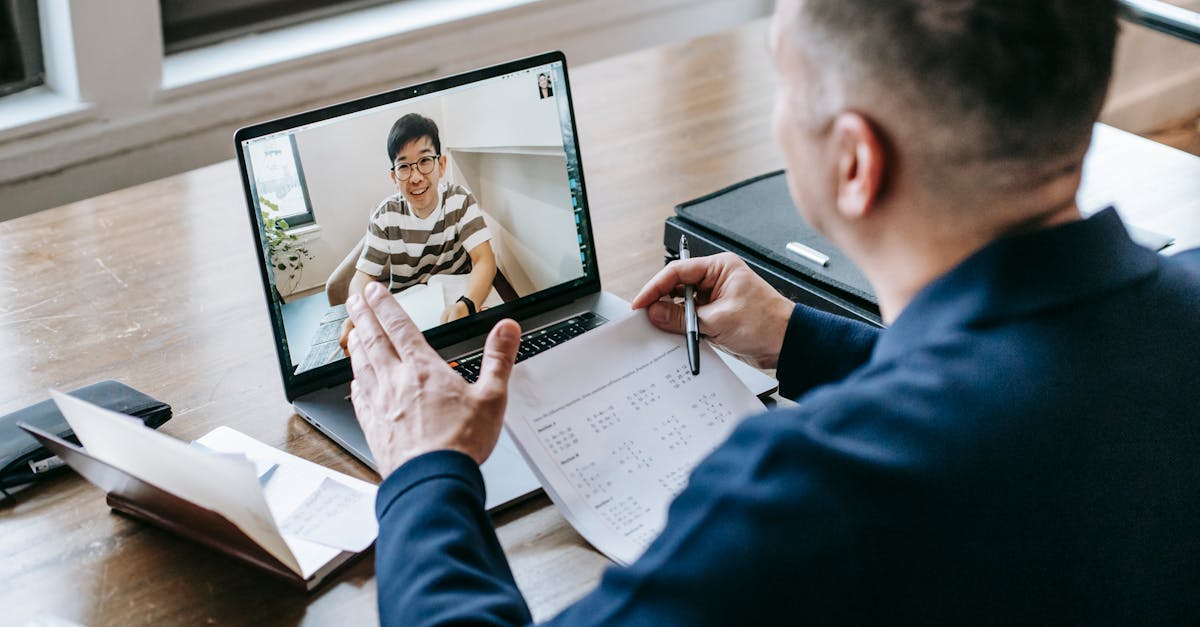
(420, 197)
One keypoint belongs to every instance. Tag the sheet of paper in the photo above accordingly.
(293, 482)
(263, 469)
(455, 285)
(221, 483)
(614, 422)
(335, 515)
(424, 304)
(1120, 183)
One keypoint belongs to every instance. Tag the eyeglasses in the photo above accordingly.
(424, 166)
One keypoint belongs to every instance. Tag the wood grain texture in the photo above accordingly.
(1183, 135)
(157, 286)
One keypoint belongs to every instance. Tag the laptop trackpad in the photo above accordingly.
(505, 474)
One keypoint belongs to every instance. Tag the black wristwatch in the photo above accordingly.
(470, 304)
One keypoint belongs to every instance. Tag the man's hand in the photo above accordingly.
(408, 400)
(344, 338)
(737, 310)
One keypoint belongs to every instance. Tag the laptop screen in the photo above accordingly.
(463, 196)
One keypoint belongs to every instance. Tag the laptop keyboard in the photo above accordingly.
(534, 342)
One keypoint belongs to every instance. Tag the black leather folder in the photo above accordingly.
(18, 449)
(756, 220)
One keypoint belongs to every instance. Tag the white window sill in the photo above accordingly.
(38, 110)
(307, 232)
(336, 35)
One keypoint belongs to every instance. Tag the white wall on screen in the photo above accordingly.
(527, 121)
(502, 142)
(527, 198)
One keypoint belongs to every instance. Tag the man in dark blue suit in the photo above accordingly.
(1021, 445)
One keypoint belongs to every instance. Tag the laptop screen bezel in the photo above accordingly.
(337, 373)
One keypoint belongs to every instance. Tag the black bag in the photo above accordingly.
(23, 460)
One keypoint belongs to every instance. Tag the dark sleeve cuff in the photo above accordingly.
(451, 465)
(437, 558)
(820, 347)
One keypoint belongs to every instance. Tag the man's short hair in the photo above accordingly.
(1019, 79)
(409, 128)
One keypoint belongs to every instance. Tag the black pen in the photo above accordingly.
(689, 310)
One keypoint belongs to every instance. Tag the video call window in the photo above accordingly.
(471, 192)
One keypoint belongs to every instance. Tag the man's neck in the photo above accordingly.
(903, 263)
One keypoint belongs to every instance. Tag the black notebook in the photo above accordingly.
(759, 215)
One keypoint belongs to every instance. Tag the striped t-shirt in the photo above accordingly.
(419, 248)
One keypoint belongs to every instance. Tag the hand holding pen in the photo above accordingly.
(736, 310)
(692, 325)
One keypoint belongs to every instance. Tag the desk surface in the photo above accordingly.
(157, 286)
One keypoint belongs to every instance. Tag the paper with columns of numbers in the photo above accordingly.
(614, 422)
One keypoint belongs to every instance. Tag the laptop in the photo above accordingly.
(509, 140)
(325, 185)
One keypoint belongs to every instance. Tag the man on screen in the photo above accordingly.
(427, 227)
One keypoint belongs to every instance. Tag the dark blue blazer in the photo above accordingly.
(1022, 446)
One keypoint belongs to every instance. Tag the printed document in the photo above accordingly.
(614, 425)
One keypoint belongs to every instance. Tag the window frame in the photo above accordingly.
(27, 46)
(1163, 17)
(227, 19)
(295, 221)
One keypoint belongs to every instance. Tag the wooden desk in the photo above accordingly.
(157, 286)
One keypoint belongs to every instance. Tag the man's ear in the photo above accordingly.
(442, 162)
(392, 175)
(861, 163)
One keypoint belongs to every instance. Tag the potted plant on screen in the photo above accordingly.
(287, 252)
